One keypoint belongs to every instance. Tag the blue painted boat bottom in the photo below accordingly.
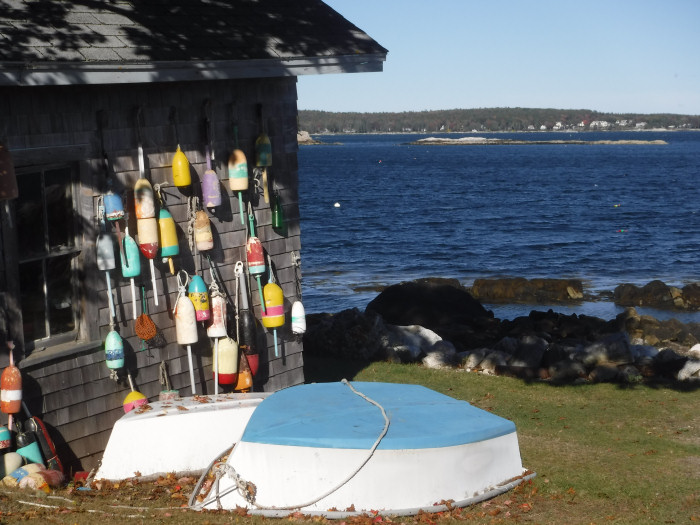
(331, 415)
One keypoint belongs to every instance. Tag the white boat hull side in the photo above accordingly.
(288, 476)
(181, 436)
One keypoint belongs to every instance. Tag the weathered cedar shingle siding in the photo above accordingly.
(74, 393)
(62, 63)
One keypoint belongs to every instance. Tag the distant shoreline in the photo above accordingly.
(480, 141)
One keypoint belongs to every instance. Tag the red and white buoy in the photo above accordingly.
(10, 388)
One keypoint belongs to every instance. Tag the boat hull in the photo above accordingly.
(180, 436)
(327, 457)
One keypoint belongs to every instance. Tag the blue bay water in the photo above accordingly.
(606, 214)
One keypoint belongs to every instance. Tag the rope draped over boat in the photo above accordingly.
(248, 490)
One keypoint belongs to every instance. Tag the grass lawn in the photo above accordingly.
(602, 453)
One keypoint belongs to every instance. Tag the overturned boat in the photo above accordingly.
(340, 449)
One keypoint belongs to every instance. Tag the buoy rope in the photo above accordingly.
(181, 288)
(248, 489)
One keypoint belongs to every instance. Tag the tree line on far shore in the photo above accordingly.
(489, 119)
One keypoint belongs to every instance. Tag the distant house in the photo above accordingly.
(599, 124)
(82, 84)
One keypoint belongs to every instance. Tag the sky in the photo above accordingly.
(618, 56)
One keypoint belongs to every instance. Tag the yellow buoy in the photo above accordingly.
(181, 169)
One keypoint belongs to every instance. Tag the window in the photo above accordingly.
(47, 252)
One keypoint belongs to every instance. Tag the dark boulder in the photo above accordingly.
(431, 303)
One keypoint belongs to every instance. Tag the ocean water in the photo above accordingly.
(377, 211)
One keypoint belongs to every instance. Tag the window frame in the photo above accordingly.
(84, 334)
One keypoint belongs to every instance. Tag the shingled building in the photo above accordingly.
(82, 84)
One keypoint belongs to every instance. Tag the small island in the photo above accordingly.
(479, 141)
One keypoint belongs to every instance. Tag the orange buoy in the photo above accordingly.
(245, 376)
(11, 388)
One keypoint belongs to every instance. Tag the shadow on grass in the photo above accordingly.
(330, 369)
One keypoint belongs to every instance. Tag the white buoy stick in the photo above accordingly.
(153, 281)
(216, 366)
(189, 359)
(133, 298)
(111, 299)
(274, 334)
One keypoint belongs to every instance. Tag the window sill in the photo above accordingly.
(41, 355)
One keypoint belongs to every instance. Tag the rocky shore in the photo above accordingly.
(440, 323)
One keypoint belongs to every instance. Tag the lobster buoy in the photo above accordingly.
(169, 246)
(226, 361)
(238, 175)
(181, 169)
(211, 186)
(245, 377)
(203, 236)
(5, 438)
(298, 318)
(10, 461)
(274, 307)
(8, 178)
(246, 324)
(131, 264)
(185, 323)
(114, 351)
(144, 201)
(148, 244)
(217, 322)
(10, 389)
(199, 296)
(133, 399)
(114, 209)
(238, 171)
(273, 314)
(255, 256)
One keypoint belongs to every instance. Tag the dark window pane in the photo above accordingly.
(30, 216)
(31, 283)
(60, 293)
(59, 208)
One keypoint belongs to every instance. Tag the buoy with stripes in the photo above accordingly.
(133, 399)
(144, 202)
(10, 388)
(273, 316)
(255, 255)
(114, 352)
(199, 296)
(238, 172)
(185, 322)
(298, 311)
(169, 246)
(148, 244)
(226, 357)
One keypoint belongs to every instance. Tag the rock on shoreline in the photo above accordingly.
(439, 323)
